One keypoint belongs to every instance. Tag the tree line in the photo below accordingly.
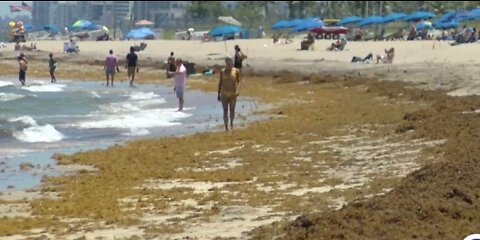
(254, 13)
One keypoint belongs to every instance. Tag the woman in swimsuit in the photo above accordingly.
(228, 90)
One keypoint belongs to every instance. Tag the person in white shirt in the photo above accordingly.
(180, 79)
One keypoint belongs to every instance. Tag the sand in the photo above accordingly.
(434, 64)
(355, 141)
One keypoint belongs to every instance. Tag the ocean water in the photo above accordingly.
(44, 118)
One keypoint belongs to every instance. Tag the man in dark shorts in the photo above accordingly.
(131, 64)
(22, 71)
(238, 58)
(172, 66)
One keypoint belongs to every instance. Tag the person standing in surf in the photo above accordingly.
(111, 64)
(131, 64)
(22, 70)
(228, 90)
(52, 65)
(180, 79)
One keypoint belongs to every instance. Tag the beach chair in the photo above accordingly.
(70, 47)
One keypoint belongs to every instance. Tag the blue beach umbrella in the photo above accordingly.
(141, 33)
(146, 31)
(466, 15)
(448, 16)
(224, 30)
(475, 12)
(307, 26)
(394, 17)
(28, 27)
(371, 20)
(51, 28)
(419, 15)
(445, 25)
(280, 24)
(349, 20)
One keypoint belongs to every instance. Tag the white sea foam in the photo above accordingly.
(4, 97)
(138, 119)
(121, 107)
(5, 83)
(45, 88)
(94, 94)
(137, 132)
(142, 96)
(45, 133)
(25, 119)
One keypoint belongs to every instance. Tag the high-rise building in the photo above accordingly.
(64, 13)
(162, 13)
(41, 13)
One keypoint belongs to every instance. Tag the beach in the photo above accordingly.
(344, 148)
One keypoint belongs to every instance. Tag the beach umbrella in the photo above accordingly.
(51, 28)
(307, 26)
(28, 27)
(445, 25)
(141, 33)
(448, 16)
(475, 12)
(144, 23)
(349, 20)
(467, 15)
(419, 15)
(224, 30)
(146, 31)
(280, 24)
(394, 17)
(371, 20)
(83, 24)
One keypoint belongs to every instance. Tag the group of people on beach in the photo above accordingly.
(111, 66)
(228, 85)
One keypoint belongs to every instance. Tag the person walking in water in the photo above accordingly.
(131, 64)
(52, 65)
(22, 70)
(228, 91)
(111, 64)
(180, 79)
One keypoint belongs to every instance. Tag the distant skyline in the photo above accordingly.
(5, 10)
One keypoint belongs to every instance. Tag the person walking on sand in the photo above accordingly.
(131, 64)
(110, 65)
(22, 70)
(172, 66)
(228, 90)
(238, 58)
(52, 65)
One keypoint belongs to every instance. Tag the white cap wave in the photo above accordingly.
(36, 133)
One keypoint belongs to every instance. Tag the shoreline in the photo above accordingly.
(336, 112)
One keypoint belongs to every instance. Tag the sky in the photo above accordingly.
(5, 10)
